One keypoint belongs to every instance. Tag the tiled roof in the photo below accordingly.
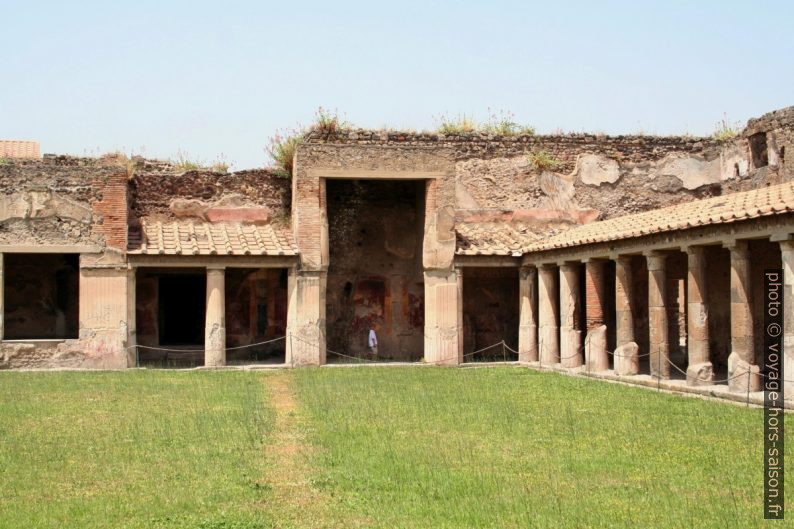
(19, 149)
(765, 201)
(495, 238)
(210, 238)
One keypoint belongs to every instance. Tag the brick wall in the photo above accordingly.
(112, 210)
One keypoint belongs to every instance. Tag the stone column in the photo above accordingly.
(741, 362)
(570, 336)
(528, 316)
(787, 253)
(624, 305)
(443, 317)
(548, 343)
(657, 315)
(626, 358)
(215, 322)
(306, 345)
(699, 370)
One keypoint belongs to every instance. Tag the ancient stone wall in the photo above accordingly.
(610, 175)
(63, 200)
(161, 190)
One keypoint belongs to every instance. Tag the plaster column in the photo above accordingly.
(570, 336)
(528, 316)
(626, 358)
(741, 368)
(787, 253)
(444, 316)
(624, 306)
(215, 322)
(549, 343)
(699, 371)
(306, 344)
(657, 315)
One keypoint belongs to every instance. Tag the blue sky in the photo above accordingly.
(216, 79)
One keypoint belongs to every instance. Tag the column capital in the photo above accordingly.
(737, 246)
(694, 249)
(621, 257)
(215, 268)
(547, 266)
(656, 259)
(526, 272)
(787, 245)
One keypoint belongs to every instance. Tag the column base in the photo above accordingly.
(743, 376)
(627, 359)
(701, 374)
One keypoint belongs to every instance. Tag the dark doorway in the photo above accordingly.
(375, 274)
(490, 314)
(256, 315)
(41, 298)
(181, 309)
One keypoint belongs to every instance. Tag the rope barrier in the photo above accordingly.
(203, 349)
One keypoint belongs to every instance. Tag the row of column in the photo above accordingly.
(550, 313)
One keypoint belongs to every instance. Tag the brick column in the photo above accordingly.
(528, 316)
(595, 295)
(570, 336)
(699, 369)
(549, 342)
(787, 253)
(215, 322)
(741, 368)
(657, 315)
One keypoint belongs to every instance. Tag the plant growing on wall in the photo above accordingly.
(281, 148)
(544, 161)
(502, 123)
(282, 145)
(460, 124)
(725, 130)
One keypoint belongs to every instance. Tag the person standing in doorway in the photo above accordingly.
(372, 342)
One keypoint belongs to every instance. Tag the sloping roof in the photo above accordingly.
(210, 238)
(765, 201)
(501, 238)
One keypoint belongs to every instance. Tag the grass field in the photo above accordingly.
(371, 447)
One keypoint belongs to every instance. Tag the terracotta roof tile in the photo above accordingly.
(210, 238)
(494, 238)
(723, 209)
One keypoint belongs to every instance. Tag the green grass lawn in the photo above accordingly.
(386, 447)
(132, 449)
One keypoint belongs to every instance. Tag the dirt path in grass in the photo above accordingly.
(295, 501)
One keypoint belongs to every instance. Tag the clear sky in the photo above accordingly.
(214, 79)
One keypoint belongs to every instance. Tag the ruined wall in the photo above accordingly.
(160, 190)
(63, 200)
(610, 175)
(69, 204)
(770, 139)
(375, 271)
